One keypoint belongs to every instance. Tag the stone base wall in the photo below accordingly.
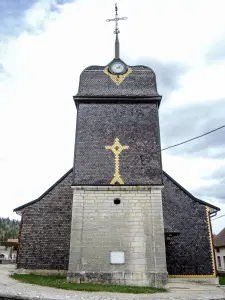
(134, 227)
(120, 278)
(44, 272)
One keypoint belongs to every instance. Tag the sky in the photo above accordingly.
(44, 46)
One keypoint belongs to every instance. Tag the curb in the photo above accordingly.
(20, 297)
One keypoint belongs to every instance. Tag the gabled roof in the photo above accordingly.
(10, 243)
(71, 170)
(45, 193)
(219, 239)
(189, 194)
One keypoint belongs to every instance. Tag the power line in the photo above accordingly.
(218, 217)
(197, 137)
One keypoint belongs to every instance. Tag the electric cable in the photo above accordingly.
(218, 217)
(197, 137)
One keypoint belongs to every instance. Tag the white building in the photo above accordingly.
(219, 244)
(4, 252)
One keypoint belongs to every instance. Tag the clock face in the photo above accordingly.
(118, 67)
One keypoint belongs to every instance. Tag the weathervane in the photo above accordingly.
(116, 19)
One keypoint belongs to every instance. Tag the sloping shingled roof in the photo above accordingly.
(71, 170)
(94, 82)
(219, 239)
(189, 194)
(168, 228)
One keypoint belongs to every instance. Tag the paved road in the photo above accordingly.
(16, 290)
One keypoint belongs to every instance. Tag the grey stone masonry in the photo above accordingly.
(135, 227)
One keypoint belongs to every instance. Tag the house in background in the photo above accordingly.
(4, 252)
(219, 245)
(8, 250)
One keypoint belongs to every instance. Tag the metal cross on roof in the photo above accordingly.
(116, 19)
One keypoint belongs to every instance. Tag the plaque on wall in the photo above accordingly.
(117, 257)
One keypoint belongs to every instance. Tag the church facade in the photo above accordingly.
(116, 217)
(46, 229)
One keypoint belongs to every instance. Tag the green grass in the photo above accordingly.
(60, 282)
(222, 280)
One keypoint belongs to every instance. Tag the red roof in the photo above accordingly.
(219, 239)
(13, 240)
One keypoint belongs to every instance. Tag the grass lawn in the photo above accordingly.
(222, 280)
(61, 283)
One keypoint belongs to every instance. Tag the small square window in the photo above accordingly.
(218, 250)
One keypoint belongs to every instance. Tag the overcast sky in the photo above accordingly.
(44, 46)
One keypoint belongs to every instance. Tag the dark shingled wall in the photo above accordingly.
(136, 125)
(45, 236)
(188, 253)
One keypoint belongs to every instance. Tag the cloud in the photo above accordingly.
(61, 2)
(4, 75)
(216, 51)
(185, 122)
(215, 190)
(167, 74)
(2, 69)
(218, 174)
(11, 14)
(15, 17)
(218, 221)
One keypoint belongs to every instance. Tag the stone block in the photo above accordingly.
(116, 228)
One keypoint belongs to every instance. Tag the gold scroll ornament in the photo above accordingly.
(117, 148)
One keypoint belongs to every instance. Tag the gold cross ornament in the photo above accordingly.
(117, 148)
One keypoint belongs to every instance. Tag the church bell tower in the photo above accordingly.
(117, 233)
